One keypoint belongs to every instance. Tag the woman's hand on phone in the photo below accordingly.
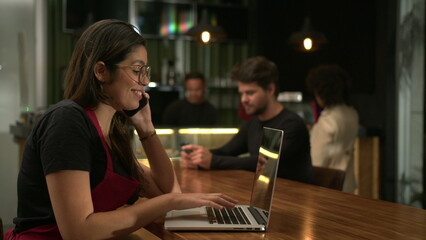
(141, 117)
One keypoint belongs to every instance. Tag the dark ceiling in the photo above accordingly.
(349, 26)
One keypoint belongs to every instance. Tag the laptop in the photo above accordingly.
(253, 217)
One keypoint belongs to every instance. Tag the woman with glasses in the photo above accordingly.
(79, 177)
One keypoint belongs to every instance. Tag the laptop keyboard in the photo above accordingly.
(257, 216)
(232, 216)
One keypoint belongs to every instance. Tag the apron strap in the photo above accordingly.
(95, 122)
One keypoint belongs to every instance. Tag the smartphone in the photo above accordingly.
(142, 103)
(183, 144)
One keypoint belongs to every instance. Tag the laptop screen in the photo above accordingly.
(266, 171)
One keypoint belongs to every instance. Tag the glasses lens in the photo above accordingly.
(148, 72)
(145, 72)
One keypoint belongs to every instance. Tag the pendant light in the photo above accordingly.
(307, 39)
(206, 32)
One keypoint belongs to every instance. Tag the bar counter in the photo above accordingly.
(299, 211)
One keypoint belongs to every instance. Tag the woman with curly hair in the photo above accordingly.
(333, 135)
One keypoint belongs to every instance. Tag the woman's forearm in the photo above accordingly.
(120, 222)
(160, 165)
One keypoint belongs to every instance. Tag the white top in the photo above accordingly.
(332, 141)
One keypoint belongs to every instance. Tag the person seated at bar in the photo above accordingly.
(79, 177)
(194, 110)
(334, 134)
(258, 85)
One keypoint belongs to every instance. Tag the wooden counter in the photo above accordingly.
(302, 211)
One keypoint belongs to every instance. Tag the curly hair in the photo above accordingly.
(329, 82)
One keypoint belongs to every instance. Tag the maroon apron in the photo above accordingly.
(111, 193)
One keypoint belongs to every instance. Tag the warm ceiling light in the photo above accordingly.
(307, 44)
(204, 31)
(205, 37)
(307, 40)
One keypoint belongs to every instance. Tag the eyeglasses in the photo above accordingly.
(139, 71)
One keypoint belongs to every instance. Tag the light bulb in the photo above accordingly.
(307, 43)
(205, 37)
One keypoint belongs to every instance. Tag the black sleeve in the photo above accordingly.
(226, 157)
(170, 115)
(212, 115)
(294, 138)
(295, 160)
(64, 140)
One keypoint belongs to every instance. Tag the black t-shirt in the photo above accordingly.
(63, 139)
(295, 161)
(182, 113)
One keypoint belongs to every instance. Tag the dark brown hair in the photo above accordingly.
(109, 41)
(330, 82)
(259, 70)
(194, 74)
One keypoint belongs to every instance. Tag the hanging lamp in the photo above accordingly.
(307, 39)
(206, 32)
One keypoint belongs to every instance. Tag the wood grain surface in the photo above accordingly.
(303, 211)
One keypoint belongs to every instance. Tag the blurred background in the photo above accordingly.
(380, 43)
